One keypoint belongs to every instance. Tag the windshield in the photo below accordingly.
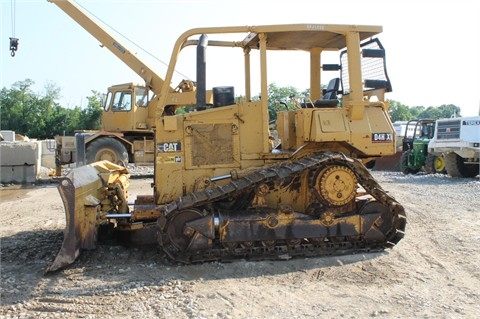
(122, 101)
(141, 96)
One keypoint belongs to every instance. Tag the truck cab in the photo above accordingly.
(126, 108)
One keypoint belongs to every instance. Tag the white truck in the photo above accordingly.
(458, 139)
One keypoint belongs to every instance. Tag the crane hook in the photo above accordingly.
(13, 46)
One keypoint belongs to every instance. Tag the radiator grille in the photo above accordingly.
(448, 130)
(212, 144)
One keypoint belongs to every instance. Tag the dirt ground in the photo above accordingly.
(434, 272)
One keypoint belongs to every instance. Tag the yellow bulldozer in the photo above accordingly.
(221, 189)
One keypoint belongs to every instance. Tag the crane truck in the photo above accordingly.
(128, 115)
(220, 189)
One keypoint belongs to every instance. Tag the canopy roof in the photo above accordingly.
(288, 36)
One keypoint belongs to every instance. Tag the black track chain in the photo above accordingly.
(279, 173)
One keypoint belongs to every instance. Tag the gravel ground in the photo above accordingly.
(434, 272)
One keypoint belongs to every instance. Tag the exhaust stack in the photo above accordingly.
(201, 93)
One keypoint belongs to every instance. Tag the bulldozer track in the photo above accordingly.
(284, 249)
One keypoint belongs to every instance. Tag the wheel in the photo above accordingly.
(106, 148)
(404, 163)
(435, 164)
(176, 233)
(456, 167)
(336, 185)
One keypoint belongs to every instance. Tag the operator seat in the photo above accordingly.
(332, 89)
(329, 98)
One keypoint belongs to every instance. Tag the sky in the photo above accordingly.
(432, 46)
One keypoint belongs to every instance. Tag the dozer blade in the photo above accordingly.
(84, 194)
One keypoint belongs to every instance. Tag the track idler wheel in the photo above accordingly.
(183, 234)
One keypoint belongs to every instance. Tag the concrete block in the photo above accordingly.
(19, 153)
(8, 136)
(19, 162)
(47, 153)
(20, 174)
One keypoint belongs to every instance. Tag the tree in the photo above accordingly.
(92, 115)
(18, 107)
(279, 99)
(416, 111)
(430, 113)
(449, 110)
(40, 116)
(399, 111)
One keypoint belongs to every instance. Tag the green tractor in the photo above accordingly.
(415, 156)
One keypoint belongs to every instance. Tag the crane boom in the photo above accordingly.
(152, 80)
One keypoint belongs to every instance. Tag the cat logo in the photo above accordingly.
(168, 147)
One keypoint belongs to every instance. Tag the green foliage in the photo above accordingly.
(40, 116)
(401, 112)
(279, 99)
(92, 115)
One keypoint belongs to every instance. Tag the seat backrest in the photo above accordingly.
(332, 89)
